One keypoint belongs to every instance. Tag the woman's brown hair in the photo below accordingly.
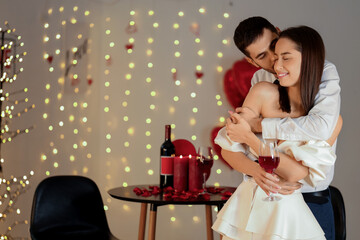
(311, 46)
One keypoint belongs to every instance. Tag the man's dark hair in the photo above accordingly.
(249, 30)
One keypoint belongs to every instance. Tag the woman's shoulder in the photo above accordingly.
(264, 89)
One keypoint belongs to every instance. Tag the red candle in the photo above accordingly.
(195, 175)
(181, 170)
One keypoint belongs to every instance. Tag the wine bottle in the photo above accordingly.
(167, 153)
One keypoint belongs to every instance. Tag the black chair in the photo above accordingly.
(339, 213)
(68, 207)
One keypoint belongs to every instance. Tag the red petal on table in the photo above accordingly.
(168, 189)
(146, 194)
(204, 196)
(155, 190)
(226, 194)
(214, 190)
(184, 197)
(137, 190)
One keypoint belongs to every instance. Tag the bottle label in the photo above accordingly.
(167, 165)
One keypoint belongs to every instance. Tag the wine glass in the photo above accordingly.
(269, 160)
(206, 161)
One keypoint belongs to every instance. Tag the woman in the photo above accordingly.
(300, 56)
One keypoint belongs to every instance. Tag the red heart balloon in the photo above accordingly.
(242, 74)
(216, 147)
(235, 99)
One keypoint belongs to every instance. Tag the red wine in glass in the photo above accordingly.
(269, 163)
(206, 161)
(269, 160)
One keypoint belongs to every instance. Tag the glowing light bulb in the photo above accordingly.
(181, 14)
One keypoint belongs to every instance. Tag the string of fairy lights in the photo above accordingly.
(60, 121)
(73, 114)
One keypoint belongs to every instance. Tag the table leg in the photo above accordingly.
(142, 222)
(152, 222)
(209, 232)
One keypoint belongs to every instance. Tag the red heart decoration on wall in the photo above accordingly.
(50, 59)
(129, 46)
(199, 74)
(90, 81)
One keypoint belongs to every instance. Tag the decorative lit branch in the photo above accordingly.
(12, 188)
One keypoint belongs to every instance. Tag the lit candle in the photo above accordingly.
(195, 175)
(181, 170)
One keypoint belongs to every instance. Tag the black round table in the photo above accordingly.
(127, 194)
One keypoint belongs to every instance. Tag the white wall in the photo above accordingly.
(336, 21)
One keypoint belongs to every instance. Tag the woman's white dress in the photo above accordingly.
(246, 216)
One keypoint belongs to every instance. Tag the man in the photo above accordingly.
(256, 38)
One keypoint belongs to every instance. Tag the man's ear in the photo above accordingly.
(252, 62)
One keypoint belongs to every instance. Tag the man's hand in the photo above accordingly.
(288, 188)
(251, 117)
(237, 128)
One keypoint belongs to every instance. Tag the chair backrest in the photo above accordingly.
(68, 207)
(339, 213)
